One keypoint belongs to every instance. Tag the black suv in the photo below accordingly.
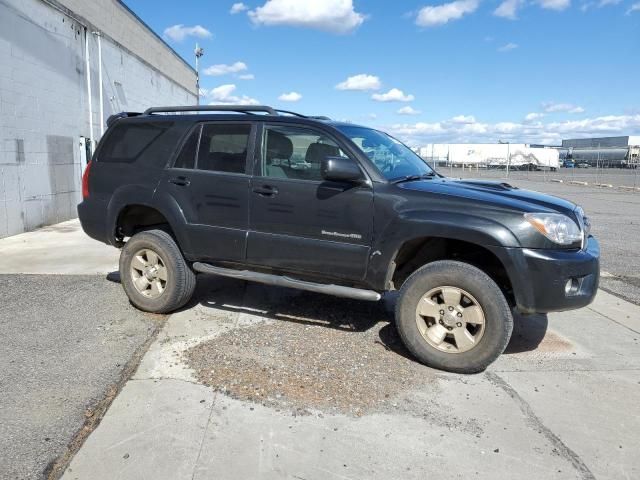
(280, 198)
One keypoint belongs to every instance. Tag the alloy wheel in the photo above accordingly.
(148, 273)
(450, 319)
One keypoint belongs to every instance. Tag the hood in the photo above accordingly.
(495, 193)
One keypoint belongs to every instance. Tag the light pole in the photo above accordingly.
(198, 52)
(508, 154)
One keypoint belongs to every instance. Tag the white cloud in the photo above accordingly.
(237, 8)
(604, 3)
(558, 5)
(360, 82)
(508, 47)
(449, 131)
(222, 69)
(224, 94)
(552, 107)
(408, 110)
(464, 119)
(335, 16)
(179, 32)
(432, 16)
(247, 76)
(633, 8)
(393, 95)
(508, 9)
(290, 97)
(532, 117)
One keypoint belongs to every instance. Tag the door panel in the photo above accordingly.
(216, 208)
(306, 225)
(213, 190)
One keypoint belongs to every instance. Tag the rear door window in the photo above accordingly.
(224, 147)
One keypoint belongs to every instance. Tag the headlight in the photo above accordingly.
(556, 227)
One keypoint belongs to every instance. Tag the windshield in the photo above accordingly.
(394, 159)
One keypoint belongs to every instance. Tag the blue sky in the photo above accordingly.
(460, 71)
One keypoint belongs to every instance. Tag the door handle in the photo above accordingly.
(266, 191)
(180, 181)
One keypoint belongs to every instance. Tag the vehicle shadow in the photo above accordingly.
(350, 316)
(285, 304)
(528, 333)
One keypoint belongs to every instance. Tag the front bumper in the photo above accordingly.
(539, 277)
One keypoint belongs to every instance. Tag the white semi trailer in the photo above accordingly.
(492, 155)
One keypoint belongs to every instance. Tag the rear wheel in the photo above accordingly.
(452, 316)
(154, 274)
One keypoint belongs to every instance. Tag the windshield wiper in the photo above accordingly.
(410, 178)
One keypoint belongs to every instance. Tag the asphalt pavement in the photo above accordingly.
(66, 341)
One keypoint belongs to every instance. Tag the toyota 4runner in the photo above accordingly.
(280, 198)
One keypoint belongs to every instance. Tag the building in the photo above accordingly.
(65, 66)
(491, 155)
(604, 151)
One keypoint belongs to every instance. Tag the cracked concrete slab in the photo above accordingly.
(564, 410)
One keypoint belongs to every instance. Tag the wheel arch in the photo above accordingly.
(130, 213)
(422, 250)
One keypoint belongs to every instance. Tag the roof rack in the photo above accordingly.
(213, 108)
(248, 109)
(289, 112)
(118, 116)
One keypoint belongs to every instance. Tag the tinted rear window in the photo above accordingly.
(128, 142)
(187, 157)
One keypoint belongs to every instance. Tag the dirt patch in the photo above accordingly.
(339, 363)
(554, 343)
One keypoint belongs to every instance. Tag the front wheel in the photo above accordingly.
(452, 316)
(154, 274)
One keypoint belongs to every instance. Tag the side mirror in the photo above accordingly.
(341, 169)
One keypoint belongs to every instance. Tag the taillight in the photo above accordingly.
(85, 181)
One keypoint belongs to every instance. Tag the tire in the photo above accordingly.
(490, 327)
(159, 296)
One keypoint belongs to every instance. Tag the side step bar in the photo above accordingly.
(282, 281)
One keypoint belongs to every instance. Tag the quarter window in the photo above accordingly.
(130, 141)
(187, 157)
(295, 152)
(223, 148)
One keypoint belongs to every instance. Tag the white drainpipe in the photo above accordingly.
(88, 68)
(99, 35)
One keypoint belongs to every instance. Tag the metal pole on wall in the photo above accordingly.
(88, 68)
(198, 52)
(99, 35)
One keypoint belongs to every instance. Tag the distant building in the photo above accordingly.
(604, 151)
(50, 102)
(601, 142)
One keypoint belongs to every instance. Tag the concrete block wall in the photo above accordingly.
(44, 108)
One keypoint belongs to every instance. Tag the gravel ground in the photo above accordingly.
(299, 367)
(319, 353)
(323, 353)
(66, 341)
